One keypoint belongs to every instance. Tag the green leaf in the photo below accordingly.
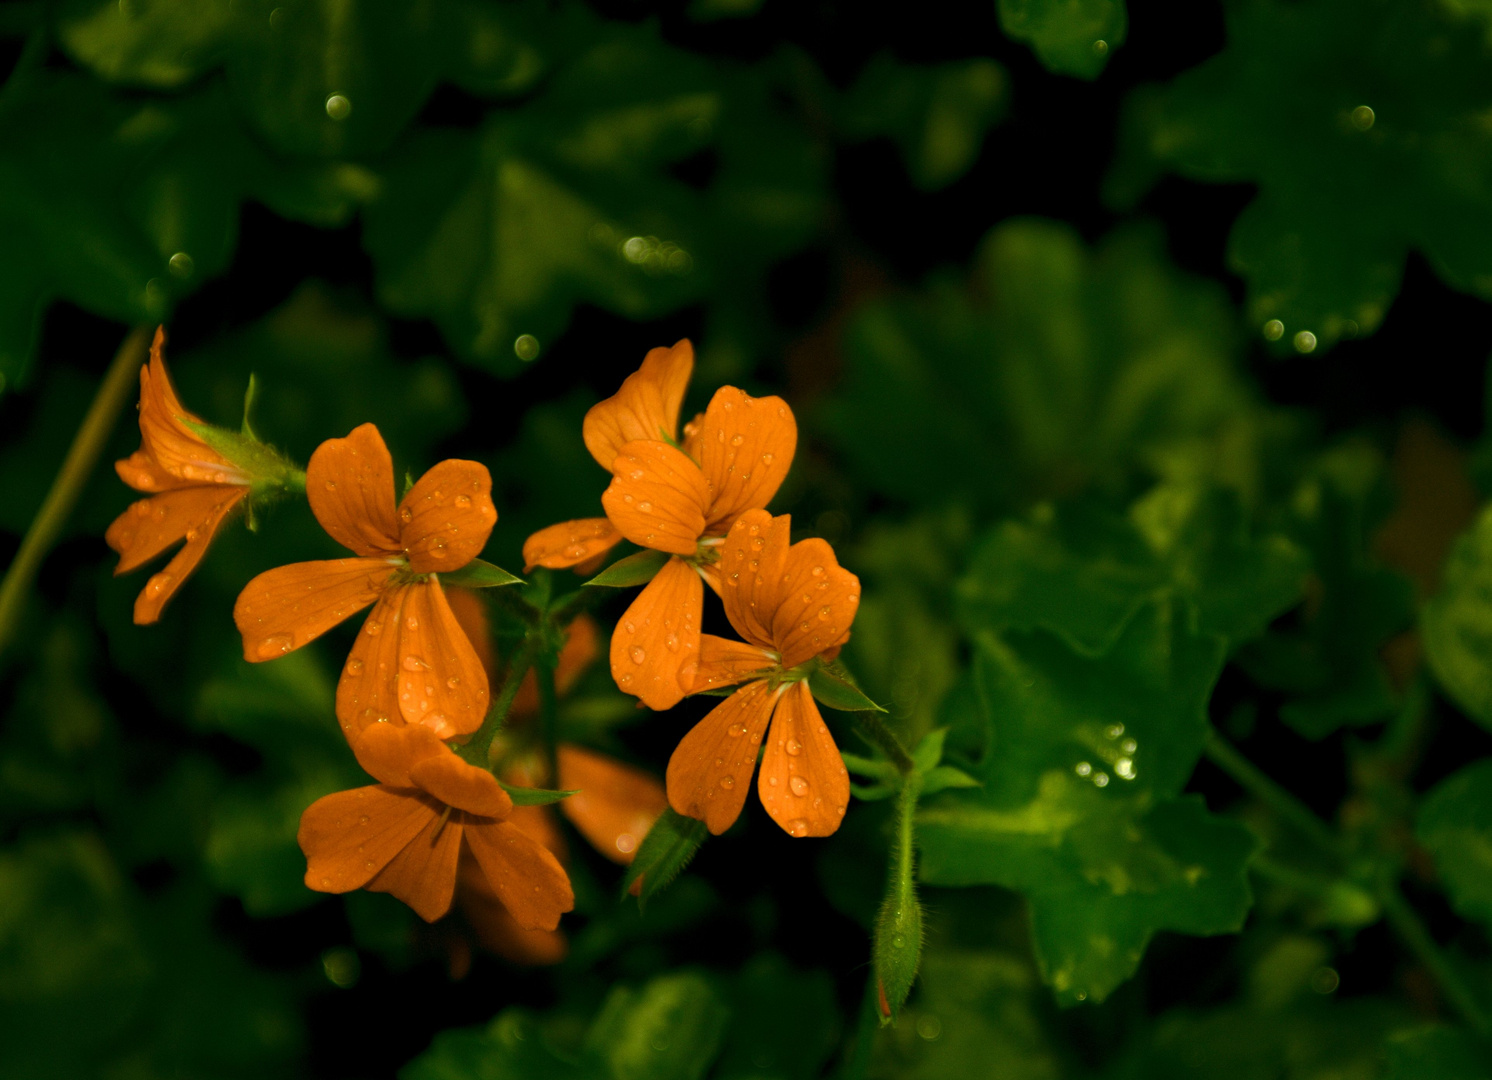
(480, 575)
(526, 796)
(1079, 808)
(512, 1047)
(1071, 37)
(1439, 1052)
(636, 569)
(1356, 123)
(944, 777)
(670, 1029)
(1455, 826)
(664, 852)
(833, 685)
(1457, 623)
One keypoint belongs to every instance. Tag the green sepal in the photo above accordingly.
(635, 569)
(247, 428)
(478, 574)
(267, 470)
(663, 854)
(929, 751)
(873, 792)
(533, 796)
(874, 768)
(832, 685)
(944, 777)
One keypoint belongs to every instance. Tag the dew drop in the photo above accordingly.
(275, 645)
(727, 782)
(452, 683)
(406, 515)
(766, 459)
(735, 731)
(738, 440)
(414, 663)
(158, 584)
(331, 485)
(463, 501)
(794, 747)
(797, 828)
(373, 628)
(798, 785)
(637, 654)
(354, 666)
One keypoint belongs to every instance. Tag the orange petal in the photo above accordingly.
(466, 787)
(657, 498)
(423, 874)
(570, 543)
(388, 751)
(351, 835)
(162, 586)
(803, 782)
(746, 447)
(494, 927)
(350, 485)
(750, 568)
(526, 876)
(152, 525)
(690, 442)
(614, 804)
(815, 603)
(471, 614)
(447, 516)
(143, 473)
(723, 662)
(582, 646)
(710, 770)
(441, 680)
(282, 609)
(658, 636)
(368, 690)
(175, 447)
(646, 407)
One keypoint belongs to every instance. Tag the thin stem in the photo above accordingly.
(875, 731)
(1407, 924)
(583, 598)
(77, 467)
(476, 751)
(1225, 756)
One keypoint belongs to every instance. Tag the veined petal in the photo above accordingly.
(447, 516)
(803, 782)
(658, 636)
(423, 874)
(710, 770)
(458, 784)
(646, 407)
(143, 473)
(815, 602)
(526, 876)
(175, 447)
(162, 586)
(657, 498)
(441, 680)
(614, 804)
(368, 689)
(388, 751)
(494, 927)
(723, 662)
(746, 447)
(351, 835)
(152, 525)
(751, 562)
(570, 543)
(350, 485)
(282, 609)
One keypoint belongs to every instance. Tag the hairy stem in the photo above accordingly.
(476, 751)
(1225, 756)
(875, 731)
(77, 467)
(1411, 930)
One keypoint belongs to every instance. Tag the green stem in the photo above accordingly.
(1225, 756)
(896, 949)
(77, 467)
(476, 751)
(1411, 930)
(875, 731)
(582, 599)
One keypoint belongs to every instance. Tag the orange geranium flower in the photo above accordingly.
(792, 603)
(194, 489)
(412, 663)
(406, 834)
(678, 498)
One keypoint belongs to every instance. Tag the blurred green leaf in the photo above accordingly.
(1439, 1052)
(783, 1023)
(1455, 826)
(162, 44)
(1079, 808)
(1071, 37)
(1457, 623)
(1360, 125)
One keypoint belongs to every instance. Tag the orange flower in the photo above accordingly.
(792, 603)
(675, 498)
(412, 663)
(405, 835)
(195, 487)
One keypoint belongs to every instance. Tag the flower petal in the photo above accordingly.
(423, 874)
(746, 447)
(723, 662)
(526, 876)
(388, 751)
(175, 447)
(710, 770)
(441, 681)
(815, 603)
(447, 516)
(368, 689)
(350, 485)
(803, 782)
(458, 784)
(152, 525)
(471, 615)
(750, 568)
(614, 804)
(351, 835)
(658, 636)
(495, 928)
(143, 473)
(570, 543)
(646, 407)
(162, 586)
(657, 498)
(282, 609)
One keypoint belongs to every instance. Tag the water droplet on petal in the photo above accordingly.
(727, 782)
(373, 628)
(735, 731)
(158, 584)
(794, 747)
(637, 654)
(275, 645)
(354, 666)
(798, 785)
(414, 663)
(406, 515)
(797, 828)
